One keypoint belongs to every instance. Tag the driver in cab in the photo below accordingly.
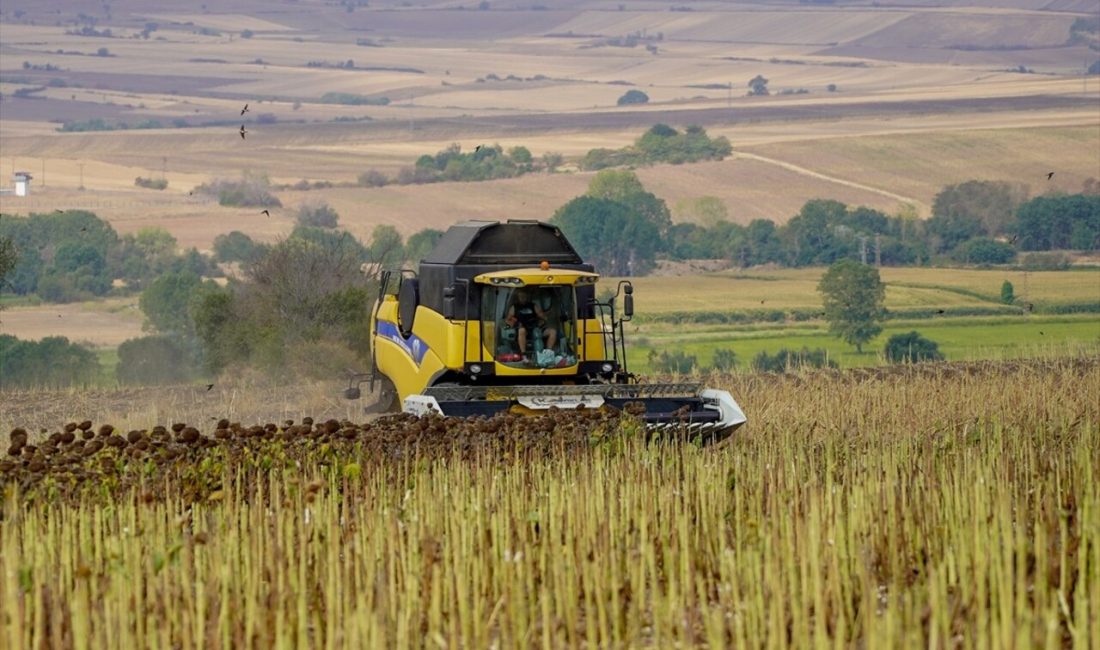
(528, 315)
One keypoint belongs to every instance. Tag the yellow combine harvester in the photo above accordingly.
(504, 317)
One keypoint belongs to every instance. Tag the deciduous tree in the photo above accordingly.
(853, 295)
(609, 234)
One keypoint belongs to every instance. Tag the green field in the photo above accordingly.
(958, 339)
(671, 314)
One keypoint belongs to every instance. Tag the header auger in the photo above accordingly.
(503, 317)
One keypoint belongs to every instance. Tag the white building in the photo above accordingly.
(22, 183)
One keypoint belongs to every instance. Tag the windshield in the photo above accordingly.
(530, 327)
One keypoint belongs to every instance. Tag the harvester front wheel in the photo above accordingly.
(385, 397)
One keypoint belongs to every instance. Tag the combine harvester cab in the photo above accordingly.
(503, 317)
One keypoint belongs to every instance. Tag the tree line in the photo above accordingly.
(299, 306)
(73, 255)
(624, 229)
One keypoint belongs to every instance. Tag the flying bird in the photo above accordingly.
(209, 386)
(243, 132)
(266, 212)
(477, 148)
(244, 110)
(939, 311)
(1050, 175)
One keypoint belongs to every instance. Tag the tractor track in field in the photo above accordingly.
(916, 203)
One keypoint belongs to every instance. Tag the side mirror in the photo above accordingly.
(628, 301)
(449, 303)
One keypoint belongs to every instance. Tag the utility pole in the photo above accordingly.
(863, 249)
(878, 251)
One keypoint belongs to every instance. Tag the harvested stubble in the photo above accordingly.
(945, 505)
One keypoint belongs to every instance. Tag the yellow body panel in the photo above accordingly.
(435, 345)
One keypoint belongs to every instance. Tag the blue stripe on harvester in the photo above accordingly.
(413, 346)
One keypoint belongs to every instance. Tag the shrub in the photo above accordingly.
(252, 190)
(633, 97)
(677, 362)
(415, 176)
(725, 360)
(552, 160)
(982, 250)
(521, 155)
(53, 361)
(153, 360)
(151, 183)
(56, 287)
(373, 178)
(317, 215)
(911, 348)
(1008, 293)
(786, 359)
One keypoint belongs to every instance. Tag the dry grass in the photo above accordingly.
(937, 505)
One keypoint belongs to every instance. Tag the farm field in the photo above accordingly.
(921, 99)
(906, 288)
(943, 504)
(928, 505)
(959, 339)
(693, 322)
(761, 180)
